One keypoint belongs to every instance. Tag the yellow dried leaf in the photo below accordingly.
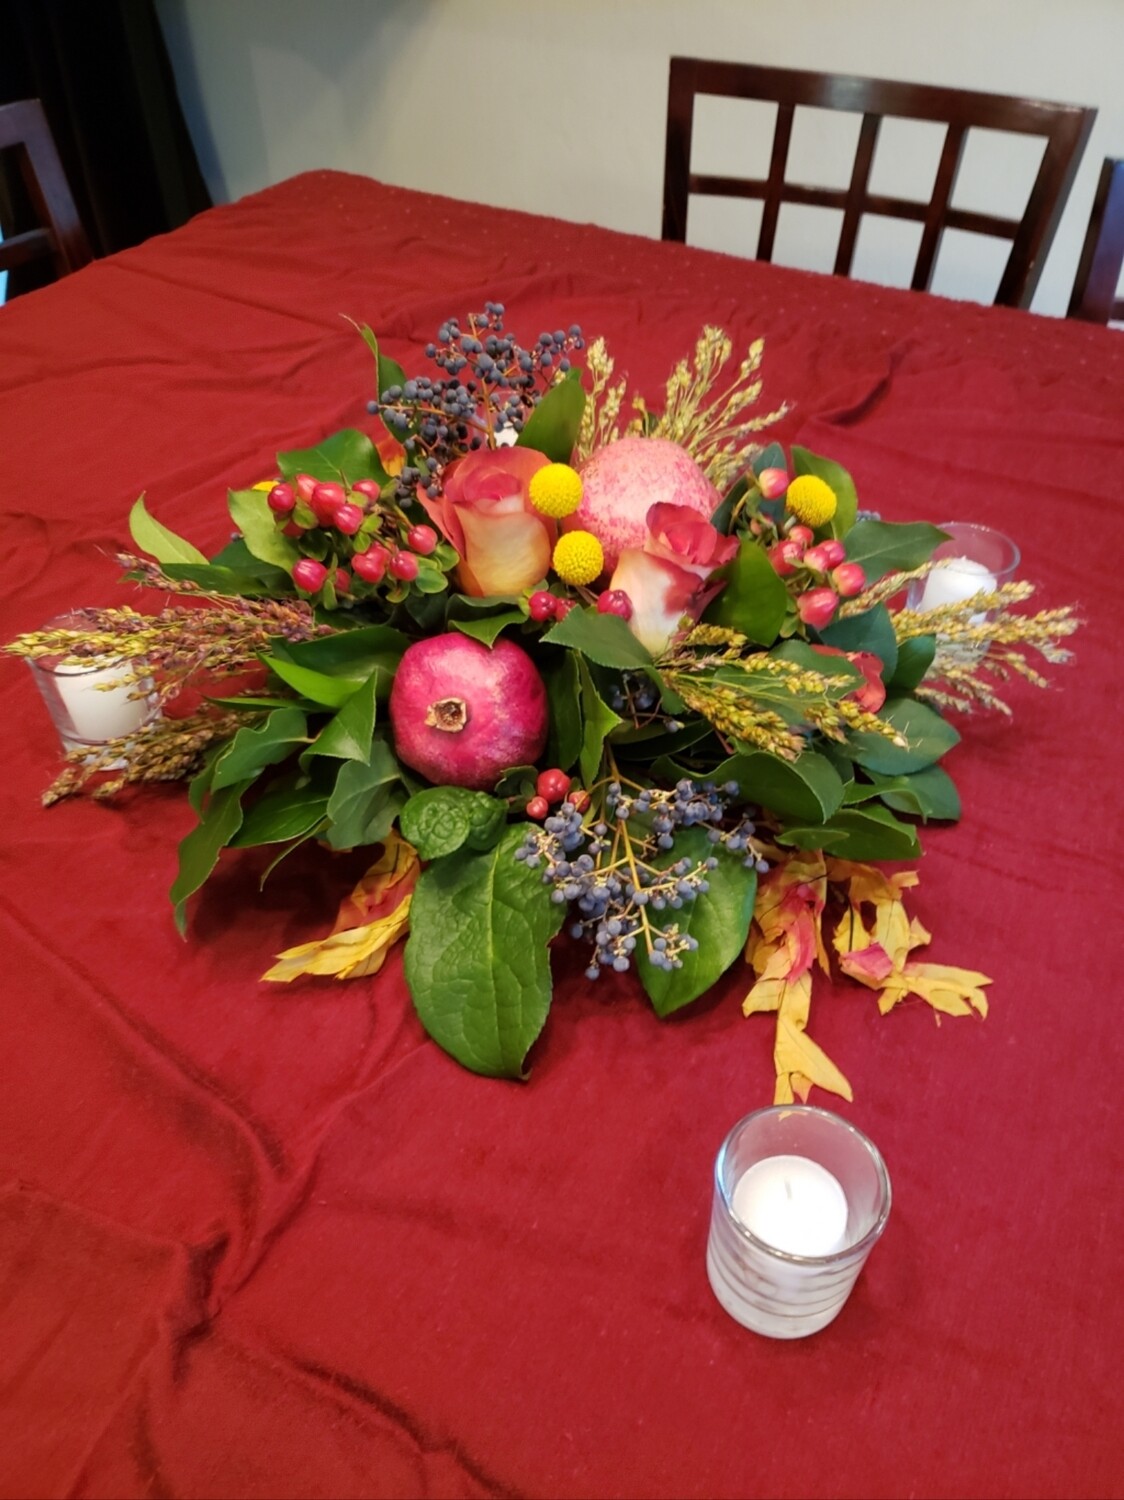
(795, 1054)
(350, 954)
(957, 992)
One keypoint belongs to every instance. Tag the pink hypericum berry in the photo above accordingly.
(366, 487)
(343, 581)
(309, 575)
(562, 607)
(325, 499)
(537, 808)
(579, 800)
(282, 498)
(615, 602)
(305, 484)
(785, 557)
(834, 551)
(370, 565)
(348, 518)
(552, 785)
(294, 528)
(421, 539)
(773, 482)
(801, 534)
(849, 579)
(817, 558)
(403, 565)
(541, 605)
(816, 607)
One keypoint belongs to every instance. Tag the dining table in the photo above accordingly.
(265, 1240)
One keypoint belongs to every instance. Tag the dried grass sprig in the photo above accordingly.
(161, 750)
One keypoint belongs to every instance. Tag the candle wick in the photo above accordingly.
(787, 1188)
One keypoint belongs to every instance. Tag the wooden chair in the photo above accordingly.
(59, 236)
(1066, 129)
(1098, 272)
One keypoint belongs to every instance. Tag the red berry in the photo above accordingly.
(343, 581)
(833, 550)
(615, 602)
(849, 579)
(282, 498)
(541, 605)
(817, 559)
(403, 565)
(293, 528)
(324, 500)
(421, 539)
(801, 534)
(537, 808)
(370, 565)
(309, 575)
(579, 800)
(785, 557)
(366, 487)
(305, 484)
(562, 607)
(772, 483)
(348, 518)
(816, 607)
(552, 785)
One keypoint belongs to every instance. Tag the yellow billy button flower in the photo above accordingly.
(578, 557)
(811, 500)
(556, 490)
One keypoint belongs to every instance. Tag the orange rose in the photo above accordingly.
(504, 543)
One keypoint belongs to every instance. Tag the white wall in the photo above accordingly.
(559, 108)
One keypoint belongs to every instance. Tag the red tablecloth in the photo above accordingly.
(262, 1242)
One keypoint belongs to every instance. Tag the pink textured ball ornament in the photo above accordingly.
(623, 480)
(462, 715)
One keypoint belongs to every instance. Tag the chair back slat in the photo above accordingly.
(1095, 296)
(60, 236)
(1065, 128)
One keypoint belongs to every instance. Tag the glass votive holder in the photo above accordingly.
(978, 561)
(800, 1198)
(91, 702)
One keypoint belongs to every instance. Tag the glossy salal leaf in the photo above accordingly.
(265, 582)
(347, 735)
(799, 791)
(866, 833)
(250, 512)
(598, 721)
(927, 737)
(477, 962)
(883, 547)
(487, 628)
(872, 631)
(291, 808)
(254, 747)
(915, 657)
(344, 458)
(388, 371)
(348, 653)
(772, 456)
(930, 793)
(443, 819)
(562, 690)
(552, 428)
(199, 851)
(605, 639)
(718, 920)
(365, 799)
(754, 599)
(329, 692)
(804, 462)
(154, 539)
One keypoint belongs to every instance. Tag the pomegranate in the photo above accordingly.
(623, 480)
(463, 714)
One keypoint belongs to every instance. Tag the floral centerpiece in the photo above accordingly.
(578, 668)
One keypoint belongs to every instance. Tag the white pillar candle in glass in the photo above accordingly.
(974, 559)
(99, 705)
(800, 1198)
(958, 578)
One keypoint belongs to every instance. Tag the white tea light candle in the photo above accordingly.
(793, 1204)
(959, 578)
(99, 705)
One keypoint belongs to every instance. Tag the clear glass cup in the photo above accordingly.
(981, 559)
(92, 703)
(778, 1292)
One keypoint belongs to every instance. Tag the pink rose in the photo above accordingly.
(504, 543)
(872, 694)
(669, 578)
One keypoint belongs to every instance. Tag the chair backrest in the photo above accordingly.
(1065, 127)
(1098, 272)
(59, 236)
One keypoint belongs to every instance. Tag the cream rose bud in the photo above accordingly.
(670, 577)
(504, 543)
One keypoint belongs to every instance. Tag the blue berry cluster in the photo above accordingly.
(605, 868)
(488, 385)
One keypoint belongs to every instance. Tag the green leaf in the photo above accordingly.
(718, 921)
(722, 515)
(871, 631)
(804, 462)
(927, 734)
(598, 719)
(364, 801)
(348, 653)
(562, 691)
(345, 457)
(883, 547)
(255, 747)
(770, 457)
(250, 512)
(290, 809)
(330, 692)
(930, 793)
(476, 961)
(157, 541)
(441, 819)
(605, 639)
(388, 371)
(915, 657)
(347, 736)
(805, 790)
(199, 851)
(486, 629)
(266, 583)
(754, 599)
(867, 833)
(552, 428)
